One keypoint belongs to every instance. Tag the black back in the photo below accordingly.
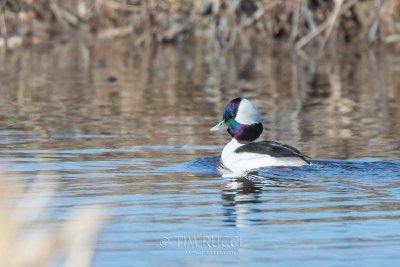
(273, 149)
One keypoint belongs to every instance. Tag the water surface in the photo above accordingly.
(140, 147)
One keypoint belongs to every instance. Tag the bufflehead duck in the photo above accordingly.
(242, 154)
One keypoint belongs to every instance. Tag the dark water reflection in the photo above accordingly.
(140, 147)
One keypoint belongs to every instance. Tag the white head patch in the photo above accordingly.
(247, 113)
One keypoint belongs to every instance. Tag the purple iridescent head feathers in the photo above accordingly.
(242, 120)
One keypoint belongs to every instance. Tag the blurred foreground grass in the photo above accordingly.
(26, 243)
(223, 23)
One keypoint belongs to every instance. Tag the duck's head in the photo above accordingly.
(241, 119)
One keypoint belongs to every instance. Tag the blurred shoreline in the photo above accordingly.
(218, 23)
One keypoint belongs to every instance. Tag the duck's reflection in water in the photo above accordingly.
(240, 195)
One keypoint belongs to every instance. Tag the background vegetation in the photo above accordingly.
(222, 23)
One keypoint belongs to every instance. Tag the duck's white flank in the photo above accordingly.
(245, 161)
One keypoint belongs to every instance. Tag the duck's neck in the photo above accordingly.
(244, 133)
(241, 142)
(229, 150)
(231, 147)
(234, 144)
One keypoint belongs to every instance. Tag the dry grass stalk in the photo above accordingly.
(327, 24)
(21, 246)
(226, 22)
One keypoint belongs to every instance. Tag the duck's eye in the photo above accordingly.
(227, 116)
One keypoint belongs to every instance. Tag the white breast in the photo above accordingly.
(240, 163)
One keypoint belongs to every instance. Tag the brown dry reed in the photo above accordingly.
(223, 23)
(25, 242)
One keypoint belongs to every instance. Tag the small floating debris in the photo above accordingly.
(111, 79)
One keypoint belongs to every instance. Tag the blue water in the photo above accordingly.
(140, 148)
(334, 212)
